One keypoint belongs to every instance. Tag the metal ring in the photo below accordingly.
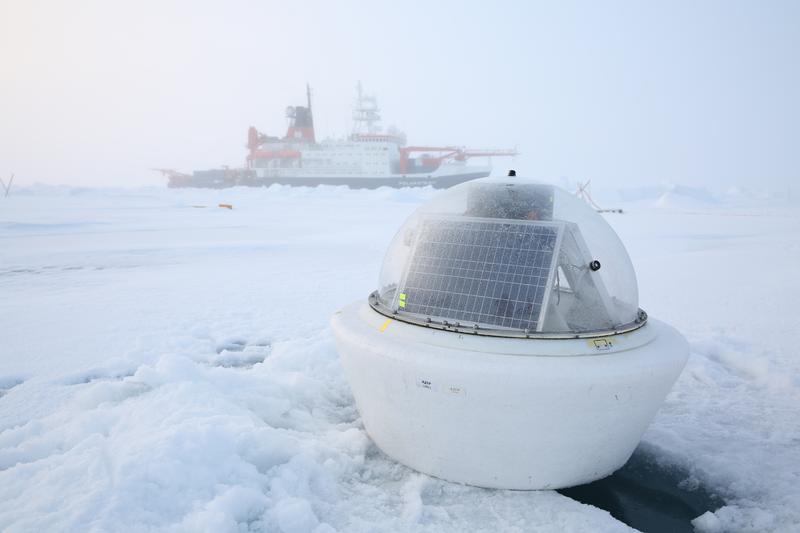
(475, 329)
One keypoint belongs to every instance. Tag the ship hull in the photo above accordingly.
(437, 182)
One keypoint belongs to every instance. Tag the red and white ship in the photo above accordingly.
(368, 158)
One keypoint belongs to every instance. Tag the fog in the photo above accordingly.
(623, 93)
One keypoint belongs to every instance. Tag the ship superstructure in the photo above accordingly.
(367, 158)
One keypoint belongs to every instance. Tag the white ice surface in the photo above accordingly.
(169, 367)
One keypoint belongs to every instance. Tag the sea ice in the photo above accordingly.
(169, 367)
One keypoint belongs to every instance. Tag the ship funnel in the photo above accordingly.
(301, 121)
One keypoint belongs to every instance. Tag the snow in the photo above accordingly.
(170, 367)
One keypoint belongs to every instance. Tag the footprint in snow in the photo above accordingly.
(96, 374)
(239, 353)
(9, 382)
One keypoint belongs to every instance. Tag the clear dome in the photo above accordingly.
(509, 255)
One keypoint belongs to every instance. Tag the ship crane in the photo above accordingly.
(447, 152)
(172, 173)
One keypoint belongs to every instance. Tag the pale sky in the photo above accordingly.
(624, 93)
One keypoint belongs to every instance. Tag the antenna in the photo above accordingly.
(584, 193)
(7, 187)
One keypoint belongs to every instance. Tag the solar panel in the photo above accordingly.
(490, 272)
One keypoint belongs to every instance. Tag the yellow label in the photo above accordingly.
(602, 344)
(386, 324)
(402, 299)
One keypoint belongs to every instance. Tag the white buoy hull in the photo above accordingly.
(506, 413)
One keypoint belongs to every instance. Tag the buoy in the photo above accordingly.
(496, 352)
